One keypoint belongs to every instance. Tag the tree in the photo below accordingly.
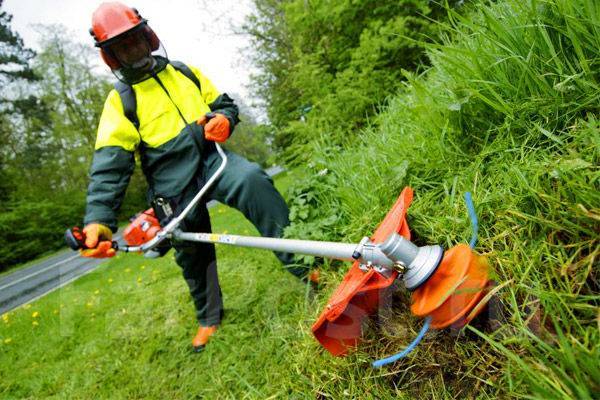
(14, 68)
(75, 93)
(14, 56)
(328, 66)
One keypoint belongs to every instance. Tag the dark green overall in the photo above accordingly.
(246, 187)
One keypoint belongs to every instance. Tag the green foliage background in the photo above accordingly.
(328, 66)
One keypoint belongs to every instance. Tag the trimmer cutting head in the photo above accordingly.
(361, 293)
(448, 286)
(454, 289)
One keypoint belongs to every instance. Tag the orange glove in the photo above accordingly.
(98, 239)
(216, 127)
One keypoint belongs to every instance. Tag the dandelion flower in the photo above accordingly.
(143, 267)
(97, 291)
(27, 306)
(35, 314)
(7, 340)
(89, 304)
(5, 317)
(35, 323)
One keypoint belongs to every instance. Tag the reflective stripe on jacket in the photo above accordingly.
(169, 141)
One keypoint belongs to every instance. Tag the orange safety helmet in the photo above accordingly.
(112, 21)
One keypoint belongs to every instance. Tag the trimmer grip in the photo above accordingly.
(75, 239)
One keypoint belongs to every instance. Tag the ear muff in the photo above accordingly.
(109, 60)
(151, 37)
(92, 34)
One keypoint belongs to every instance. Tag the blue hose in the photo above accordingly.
(473, 217)
(403, 353)
(425, 328)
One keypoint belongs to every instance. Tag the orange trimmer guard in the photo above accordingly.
(358, 296)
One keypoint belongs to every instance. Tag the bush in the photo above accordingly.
(327, 66)
(28, 229)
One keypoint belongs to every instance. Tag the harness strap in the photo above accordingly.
(185, 70)
(129, 101)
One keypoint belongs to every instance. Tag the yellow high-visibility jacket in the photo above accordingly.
(169, 141)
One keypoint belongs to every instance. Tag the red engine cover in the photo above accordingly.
(142, 229)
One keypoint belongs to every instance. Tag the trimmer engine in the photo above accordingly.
(143, 228)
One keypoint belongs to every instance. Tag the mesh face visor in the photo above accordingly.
(137, 61)
(131, 75)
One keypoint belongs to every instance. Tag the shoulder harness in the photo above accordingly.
(127, 94)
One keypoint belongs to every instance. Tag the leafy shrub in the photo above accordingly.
(327, 66)
(31, 228)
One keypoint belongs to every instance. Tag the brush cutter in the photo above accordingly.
(447, 286)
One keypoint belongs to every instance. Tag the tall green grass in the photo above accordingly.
(508, 111)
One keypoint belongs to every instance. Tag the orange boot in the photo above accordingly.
(201, 338)
(315, 276)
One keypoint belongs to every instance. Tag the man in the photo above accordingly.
(170, 114)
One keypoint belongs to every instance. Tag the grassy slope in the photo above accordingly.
(124, 330)
(508, 111)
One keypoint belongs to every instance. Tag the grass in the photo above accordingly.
(124, 331)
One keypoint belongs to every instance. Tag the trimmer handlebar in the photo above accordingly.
(396, 253)
(75, 238)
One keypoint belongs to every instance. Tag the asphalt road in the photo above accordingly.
(31, 283)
